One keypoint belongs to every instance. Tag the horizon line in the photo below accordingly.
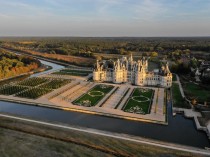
(61, 36)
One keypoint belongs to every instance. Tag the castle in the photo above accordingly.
(135, 72)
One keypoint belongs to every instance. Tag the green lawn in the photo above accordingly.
(93, 96)
(174, 77)
(195, 91)
(178, 100)
(72, 72)
(139, 101)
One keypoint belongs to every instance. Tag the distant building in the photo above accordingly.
(135, 72)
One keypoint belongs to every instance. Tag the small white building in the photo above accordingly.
(135, 72)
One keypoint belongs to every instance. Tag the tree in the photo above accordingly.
(154, 54)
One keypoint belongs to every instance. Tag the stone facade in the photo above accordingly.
(135, 72)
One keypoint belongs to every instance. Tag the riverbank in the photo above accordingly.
(188, 113)
(64, 60)
(91, 139)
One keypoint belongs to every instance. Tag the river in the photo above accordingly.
(180, 130)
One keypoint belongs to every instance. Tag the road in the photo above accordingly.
(112, 135)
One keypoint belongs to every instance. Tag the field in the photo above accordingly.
(24, 138)
(178, 100)
(139, 101)
(72, 72)
(93, 96)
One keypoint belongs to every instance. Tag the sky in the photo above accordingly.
(98, 18)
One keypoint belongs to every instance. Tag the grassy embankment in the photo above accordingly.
(178, 100)
(30, 139)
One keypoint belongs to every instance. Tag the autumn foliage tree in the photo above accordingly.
(12, 64)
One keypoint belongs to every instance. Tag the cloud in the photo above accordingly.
(5, 16)
(18, 9)
(103, 17)
(149, 10)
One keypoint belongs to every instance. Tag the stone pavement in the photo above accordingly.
(116, 97)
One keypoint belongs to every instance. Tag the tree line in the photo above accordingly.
(12, 64)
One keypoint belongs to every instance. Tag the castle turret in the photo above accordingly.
(166, 80)
(97, 65)
(99, 73)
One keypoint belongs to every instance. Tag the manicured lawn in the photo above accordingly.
(139, 101)
(178, 100)
(195, 91)
(72, 72)
(93, 96)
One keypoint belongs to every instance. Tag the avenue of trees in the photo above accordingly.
(12, 64)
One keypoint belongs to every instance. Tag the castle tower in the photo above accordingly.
(139, 74)
(166, 80)
(118, 73)
(96, 72)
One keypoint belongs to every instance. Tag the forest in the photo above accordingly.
(13, 65)
(84, 50)
(87, 46)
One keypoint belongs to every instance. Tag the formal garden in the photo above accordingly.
(11, 89)
(32, 82)
(93, 96)
(55, 83)
(140, 101)
(33, 88)
(34, 93)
